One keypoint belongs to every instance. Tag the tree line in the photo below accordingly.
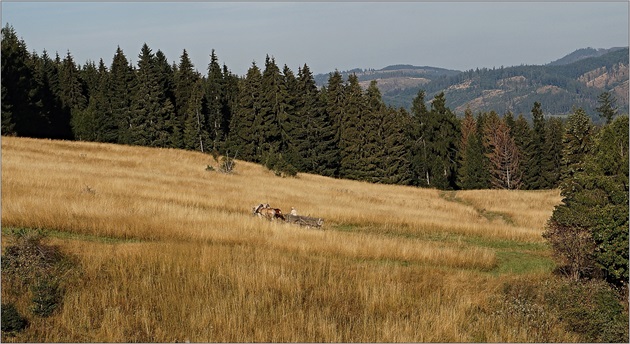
(285, 122)
(275, 117)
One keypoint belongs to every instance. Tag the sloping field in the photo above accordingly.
(169, 251)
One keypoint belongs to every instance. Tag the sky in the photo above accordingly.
(326, 36)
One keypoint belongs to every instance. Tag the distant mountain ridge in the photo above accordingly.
(581, 54)
(394, 71)
(573, 80)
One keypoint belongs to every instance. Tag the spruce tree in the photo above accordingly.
(16, 77)
(334, 97)
(442, 132)
(185, 78)
(195, 135)
(190, 105)
(577, 143)
(609, 174)
(72, 97)
(588, 232)
(121, 82)
(99, 108)
(89, 78)
(435, 137)
(273, 95)
(20, 113)
(172, 136)
(229, 103)
(521, 132)
(165, 75)
(471, 173)
(537, 159)
(352, 131)
(509, 120)
(396, 164)
(553, 152)
(420, 145)
(318, 148)
(376, 128)
(287, 117)
(607, 109)
(149, 110)
(297, 127)
(245, 133)
(215, 98)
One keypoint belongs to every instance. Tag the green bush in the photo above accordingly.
(12, 321)
(592, 309)
(47, 296)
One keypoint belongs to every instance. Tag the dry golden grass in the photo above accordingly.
(527, 209)
(393, 263)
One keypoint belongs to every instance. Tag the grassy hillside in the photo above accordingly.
(168, 251)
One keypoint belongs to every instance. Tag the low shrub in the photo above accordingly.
(227, 165)
(47, 296)
(593, 309)
(12, 320)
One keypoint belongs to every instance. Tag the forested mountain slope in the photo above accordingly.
(574, 80)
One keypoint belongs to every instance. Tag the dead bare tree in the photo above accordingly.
(504, 156)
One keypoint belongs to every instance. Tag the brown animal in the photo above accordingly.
(268, 212)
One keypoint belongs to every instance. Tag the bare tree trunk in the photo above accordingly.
(199, 130)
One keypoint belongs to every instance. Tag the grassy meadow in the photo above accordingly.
(169, 251)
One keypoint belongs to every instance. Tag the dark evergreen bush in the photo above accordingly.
(12, 321)
(592, 309)
(47, 296)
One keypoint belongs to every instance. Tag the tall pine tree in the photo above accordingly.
(150, 111)
(99, 108)
(20, 113)
(420, 143)
(73, 99)
(272, 110)
(215, 98)
(245, 131)
(537, 160)
(333, 98)
(442, 132)
(472, 172)
(121, 81)
(553, 152)
(352, 131)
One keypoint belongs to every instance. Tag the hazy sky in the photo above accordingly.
(324, 35)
